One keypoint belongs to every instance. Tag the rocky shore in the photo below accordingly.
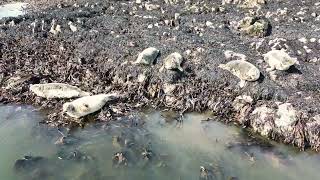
(93, 45)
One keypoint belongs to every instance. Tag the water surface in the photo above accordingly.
(175, 150)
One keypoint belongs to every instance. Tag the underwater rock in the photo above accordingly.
(28, 163)
(119, 160)
(279, 60)
(57, 90)
(87, 105)
(205, 174)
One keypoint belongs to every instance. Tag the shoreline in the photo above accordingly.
(98, 57)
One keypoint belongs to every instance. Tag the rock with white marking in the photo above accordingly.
(279, 60)
(173, 62)
(72, 27)
(57, 90)
(147, 56)
(244, 70)
(254, 26)
(87, 105)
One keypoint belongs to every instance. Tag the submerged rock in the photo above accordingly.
(279, 60)
(173, 62)
(119, 159)
(255, 26)
(87, 105)
(205, 174)
(28, 163)
(57, 90)
(244, 70)
(147, 56)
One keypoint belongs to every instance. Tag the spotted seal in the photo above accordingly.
(279, 60)
(147, 56)
(173, 62)
(87, 105)
(57, 90)
(244, 70)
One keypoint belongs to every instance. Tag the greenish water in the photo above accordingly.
(176, 151)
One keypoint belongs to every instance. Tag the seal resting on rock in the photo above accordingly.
(173, 62)
(147, 56)
(244, 70)
(57, 90)
(87, 105)
(279, 60)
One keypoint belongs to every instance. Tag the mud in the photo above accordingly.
(98, 57)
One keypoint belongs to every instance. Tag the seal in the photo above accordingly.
(87, 105)
(147, 56)
(173, 62)
(279, 60)
(57, 90)
(244, 70)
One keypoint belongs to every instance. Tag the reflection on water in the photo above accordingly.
(12, 10)
(151, 147)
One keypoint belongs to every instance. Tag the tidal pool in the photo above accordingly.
(145, 145)
(12, 10)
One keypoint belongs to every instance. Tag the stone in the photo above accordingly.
(286, 117)
(254, 26)
(252, 3)
(262, 121)
(72, 27)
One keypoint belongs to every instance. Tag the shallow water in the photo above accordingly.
(176, 151)
(12, 10)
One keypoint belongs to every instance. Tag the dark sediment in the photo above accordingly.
(110, 34)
